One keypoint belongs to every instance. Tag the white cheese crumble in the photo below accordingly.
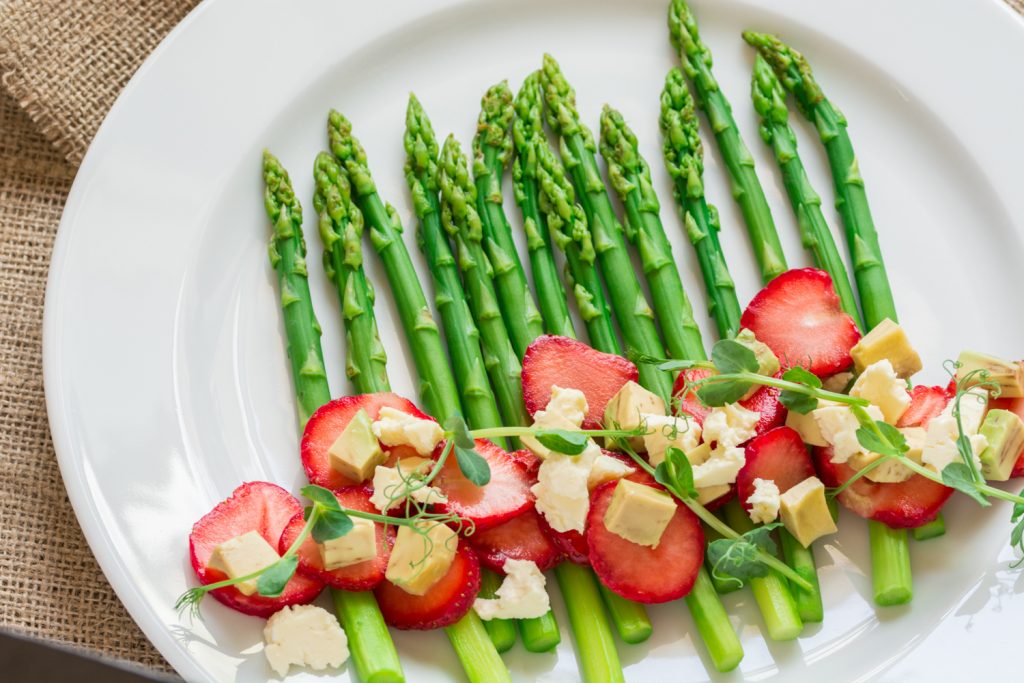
(521, 595)
(839, 428)
(606, 469)
(764, 501)
(666, 431)
(304, 635)
(562, 490)
(730, 425)
(719, 469)
(395, 428)
(881, 386)
(391, 487)
(566, 410)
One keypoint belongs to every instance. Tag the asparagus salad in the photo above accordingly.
(656, 468)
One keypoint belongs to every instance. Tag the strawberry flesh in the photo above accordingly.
(637, 572)
(253, 506)
(559, 361)
(765, 401)
(445, 602)
(570, 544)
(799, 317)
(329, 421)
(520, 538)
(779, 455)
(505, 496)
(925, 403)
(357, 577)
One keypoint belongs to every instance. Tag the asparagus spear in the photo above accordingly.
(468, 637)
(459, 329)
(636, 320)
(696, 59)
(684, 158)
(770, 103)
(373, 653)
(528, 134)
(631, 178)
(890, 552)
(492, 149)
(462, 222)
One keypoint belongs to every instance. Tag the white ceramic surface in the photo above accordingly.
(164, 358)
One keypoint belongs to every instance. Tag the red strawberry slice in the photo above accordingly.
(504, 497)
(925, 403)
(559, 361)
(357, 577)
(779, 455)
(529, 461)
(765, 401)
(640, 573)
(329, 421)
(570, 544)
(253, 506)
(799, 317)
(1014, 405)
(445, 602)
(905, 505)
(520, 538)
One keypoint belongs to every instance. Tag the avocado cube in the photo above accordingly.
(1005, 434)
(1008, 374)
(887, 341)
(625, 409)
(639, 513)
(356, 452)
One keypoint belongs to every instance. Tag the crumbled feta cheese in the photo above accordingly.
(520, 596)
(562, 491)
(392, 485)
(242, 555)
(880, 385)
(607, 468)
(395, 428)
(730, 425)
(304, 635)
(839, 428)
(664, 432)
(721, 468)
(764, 501)
(973, 404)
(940, 445)
(566, 410)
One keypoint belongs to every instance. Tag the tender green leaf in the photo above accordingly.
(799, 375)
(797, 402)
(729, 356)
(720, 393)
(321, 496)
(957, 475)
(563, 441)
(273, 580)
(735, 559)
(675, 473)
(1018, 510)
(457, 426)
(762, 537)
(472, 465)
(331, 524)
(887, 440)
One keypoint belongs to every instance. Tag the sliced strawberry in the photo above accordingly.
(906, 505)
(559, 361)
(1014, 405)
(637, 572)
(799, 317)
(779, 455)
(765, 401)
(520, 538)
(253, 506)
(529, 460)
(925, 403)
(570, 544)
(329, 421)
(504, 497)
(445, 602)
(357, 577)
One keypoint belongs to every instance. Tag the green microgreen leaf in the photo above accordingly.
(957, 475)
(321, 496)
(460, 431)
(716, 394)
(563, 441)
(883, 439)
(472, 465)
(331, 524)
(729, 357)
(794, 400)
(275, 577)
(676, 474)
(738, 559)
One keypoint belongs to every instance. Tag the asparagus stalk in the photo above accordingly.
(889, 547)
(696, 59)
(684, 158)
(631, 179)
(373, 652)
(469, 638)
(770, 103)
(634, 315)
(528, 135)
(492, 149)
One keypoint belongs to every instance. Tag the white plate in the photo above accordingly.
(165, 371)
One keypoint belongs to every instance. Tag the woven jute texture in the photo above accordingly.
(62, 64)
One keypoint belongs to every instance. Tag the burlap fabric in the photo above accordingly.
(62, 63)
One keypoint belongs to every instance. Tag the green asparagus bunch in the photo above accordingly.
(373, 652)
(696, 59)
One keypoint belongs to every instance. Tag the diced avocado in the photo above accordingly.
(1004, 432)
(887, 340)
(356, 452)
(767, 361)
(699, 455)
(807, 426)
(1008, 374)
(421, 557)
(625, 409)
(805, 513)
(639, 513)
(243, 555)
(358, 545)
